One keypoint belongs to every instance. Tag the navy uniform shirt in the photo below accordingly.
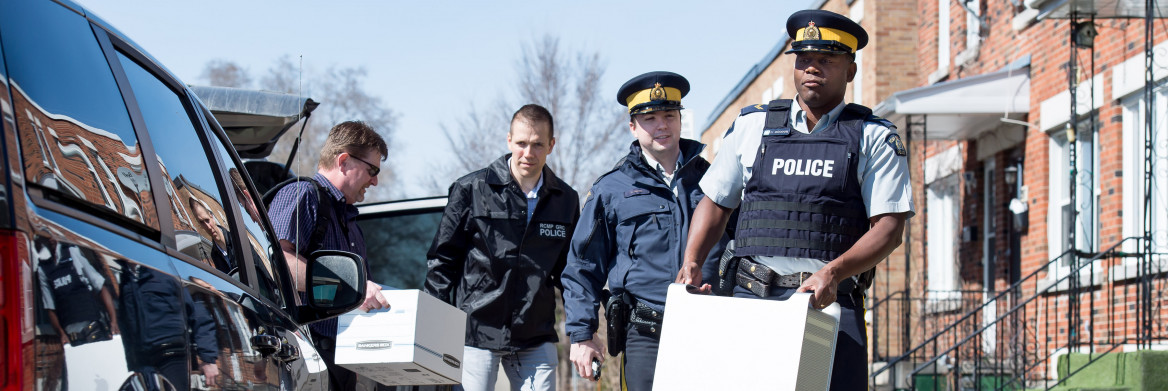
(631, 235)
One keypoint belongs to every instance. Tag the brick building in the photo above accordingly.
(1014, 261)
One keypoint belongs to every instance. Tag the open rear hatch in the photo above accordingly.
(254, 121)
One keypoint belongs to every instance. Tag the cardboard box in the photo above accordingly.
(724, 343)
(418, 341)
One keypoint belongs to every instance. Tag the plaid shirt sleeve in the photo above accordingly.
(293, 213)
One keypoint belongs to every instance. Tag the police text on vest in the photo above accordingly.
(804, 167)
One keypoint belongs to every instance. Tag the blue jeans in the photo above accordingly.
(532, 369)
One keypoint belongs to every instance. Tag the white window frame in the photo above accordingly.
(1087, 223)
(943, 27)
(943, 219)
(775, 92)
(972, 25)
(1133, 180)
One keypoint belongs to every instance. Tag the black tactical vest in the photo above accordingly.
(71, 292)
(803, 198)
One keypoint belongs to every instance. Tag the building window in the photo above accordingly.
(1133, 172)
(942, 219)
(972, 25)
(1080, 219)
(775, 92)
(943, 35)
(990, 209)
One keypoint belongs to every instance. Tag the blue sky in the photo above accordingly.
(429, 59)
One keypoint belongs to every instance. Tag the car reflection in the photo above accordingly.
(83, 162)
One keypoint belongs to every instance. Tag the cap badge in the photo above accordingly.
(658, 93)
(812, 32)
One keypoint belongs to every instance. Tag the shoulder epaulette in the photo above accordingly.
(879, 120)
(753, 109)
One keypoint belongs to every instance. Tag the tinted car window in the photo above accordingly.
(397, 244)
(76, 137)
(268, 271)
(201, 224)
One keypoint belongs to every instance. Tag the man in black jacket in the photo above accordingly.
(498, 254)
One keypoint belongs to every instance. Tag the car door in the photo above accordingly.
(144, 261)
(84, 198)
(236, 307)
(398, 234)
(295, 360)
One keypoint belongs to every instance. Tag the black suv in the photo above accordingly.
(134, 251)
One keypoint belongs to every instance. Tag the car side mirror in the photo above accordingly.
(336, 284)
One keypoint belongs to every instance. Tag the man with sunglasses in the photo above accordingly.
(349, 164)
(498, 253)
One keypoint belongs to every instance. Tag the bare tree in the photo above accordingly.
(284, 76)
(588, 136)
(223, 73)
(478, 138)
(342, 97)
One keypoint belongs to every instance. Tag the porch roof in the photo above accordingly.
(964, 108)
(1099, 9)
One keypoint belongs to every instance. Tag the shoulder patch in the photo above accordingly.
(753, 109)
(893, 140)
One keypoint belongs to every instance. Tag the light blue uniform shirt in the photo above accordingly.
(667, 178)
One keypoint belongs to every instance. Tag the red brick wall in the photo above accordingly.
(1046, 42)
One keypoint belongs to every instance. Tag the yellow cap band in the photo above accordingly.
(647, 95)
(830, 34)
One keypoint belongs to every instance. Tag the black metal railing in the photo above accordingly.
(1008, 340)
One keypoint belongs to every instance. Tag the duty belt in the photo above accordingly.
(759, 279)
(646, 319)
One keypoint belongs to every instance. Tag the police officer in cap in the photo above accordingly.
(631, 233)
(821, 186)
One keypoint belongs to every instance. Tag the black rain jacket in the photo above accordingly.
(488, 261)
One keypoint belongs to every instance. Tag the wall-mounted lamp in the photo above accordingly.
(1010, 175)
(1083, 34)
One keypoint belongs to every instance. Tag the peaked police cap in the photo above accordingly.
(824, 31)
(653, 91)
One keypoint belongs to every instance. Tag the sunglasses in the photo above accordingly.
(373, 169)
